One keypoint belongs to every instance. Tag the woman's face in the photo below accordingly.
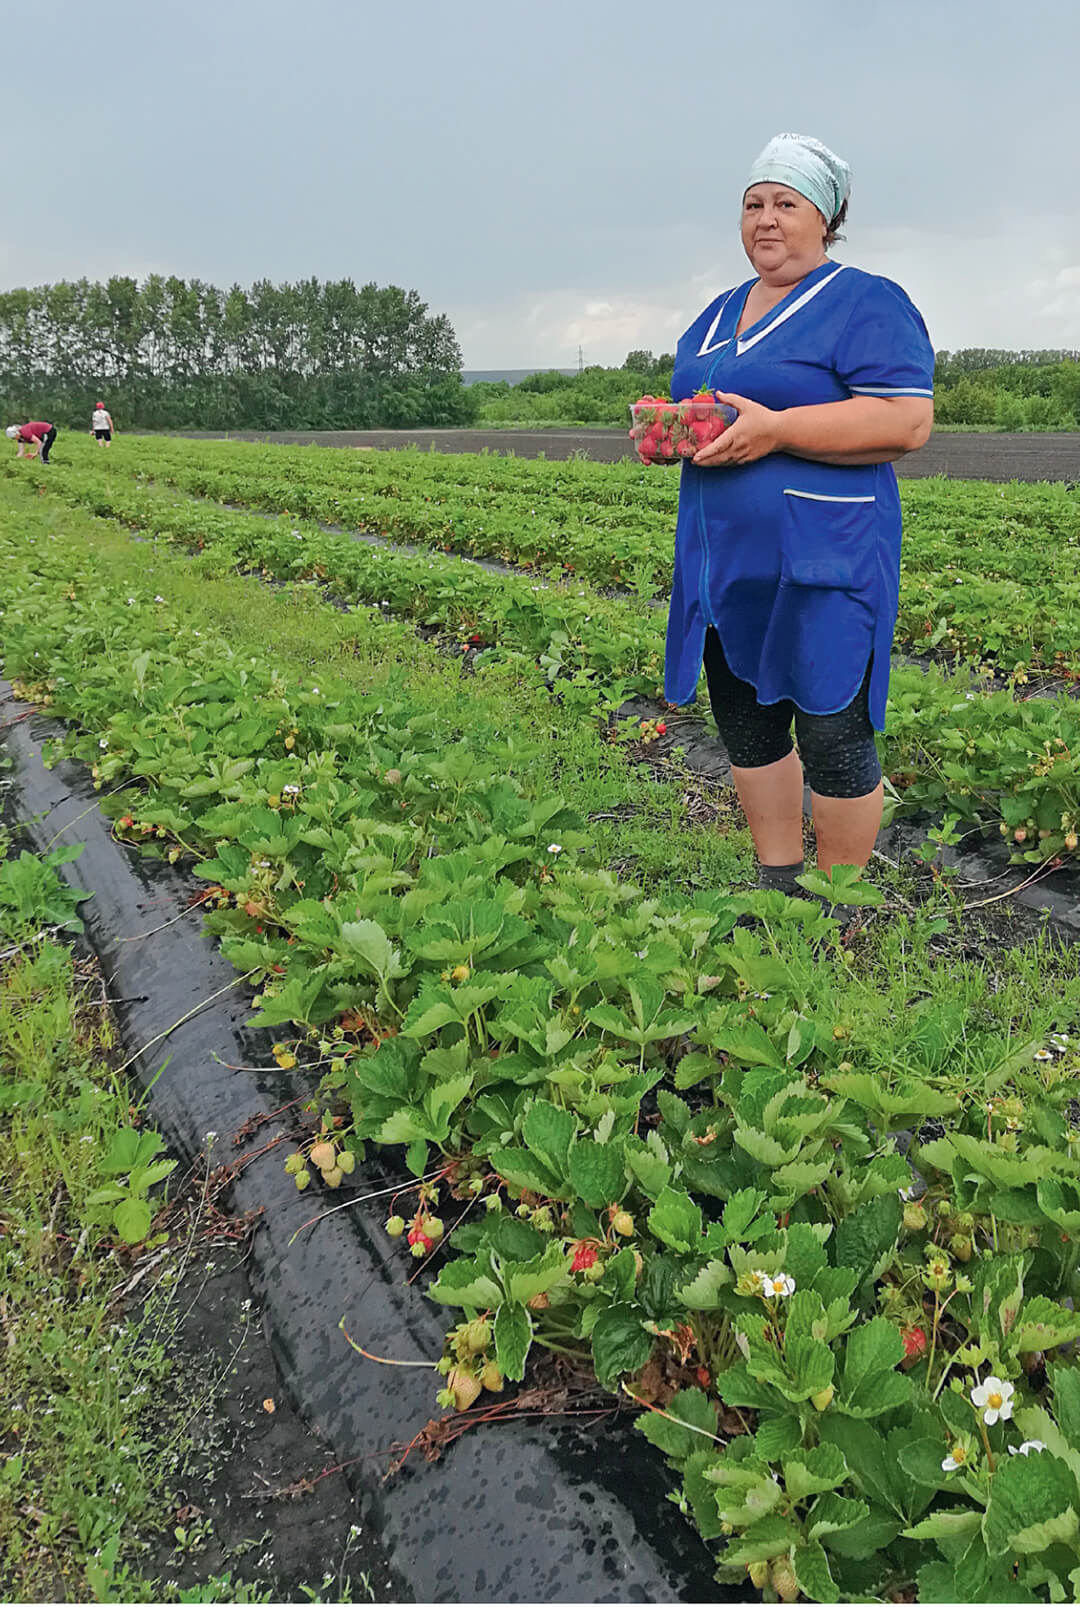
(783, 233)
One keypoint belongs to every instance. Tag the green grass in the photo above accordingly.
(79, 1470)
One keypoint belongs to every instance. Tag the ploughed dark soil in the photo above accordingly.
(959, 455)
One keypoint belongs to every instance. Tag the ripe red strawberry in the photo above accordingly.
(125, 822)
(661, 727)
(585, 1256)
(916, 1345)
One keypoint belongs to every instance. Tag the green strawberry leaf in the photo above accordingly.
(620, 1343)
(675, 1219)
(597, 1172)
(513, 1338)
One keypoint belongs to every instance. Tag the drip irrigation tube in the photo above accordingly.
(555, 1510)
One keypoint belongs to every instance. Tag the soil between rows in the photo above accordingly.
(959, 456)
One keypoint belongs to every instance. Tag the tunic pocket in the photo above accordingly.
(828, 541)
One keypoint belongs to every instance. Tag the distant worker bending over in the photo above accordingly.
(32, 438)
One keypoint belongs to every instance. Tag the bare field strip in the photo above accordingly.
(1025, 456)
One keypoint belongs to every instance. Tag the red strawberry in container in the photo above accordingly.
(702, 404)
(665, 431)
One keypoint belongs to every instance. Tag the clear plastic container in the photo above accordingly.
(666, 432)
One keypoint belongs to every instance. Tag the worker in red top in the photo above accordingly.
(35, 436)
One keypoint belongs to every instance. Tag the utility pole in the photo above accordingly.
(580, 361)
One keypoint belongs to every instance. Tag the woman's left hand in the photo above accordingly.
(754, 434)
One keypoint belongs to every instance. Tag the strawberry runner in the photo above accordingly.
(795, 563)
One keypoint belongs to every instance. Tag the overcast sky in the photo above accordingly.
(552, 174)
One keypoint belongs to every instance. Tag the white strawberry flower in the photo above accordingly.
(1043, 1054)
(1026, 1447)
(956, 1458)
(993, 1397)
(781, 1286)
(554, 848)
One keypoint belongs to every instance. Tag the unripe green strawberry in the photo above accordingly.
(491, 1378)
(493, 1203)
(443, 1365)
(333, 1177)
(823, 1398)
(783, 1581)
(465, 1387)
(914, 1217)
(759, 1574)
(476, 1336)
(961, 1246)
(303, 1179)
(594, 1273)
(542, 1219)
(346, 1161)
(623, 1223)
(445, 1398)
(432, 1226)
(294, 1163)
(523, 1211)
(395, 1226)
(323, 1155)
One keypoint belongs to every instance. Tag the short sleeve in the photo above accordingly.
(884, 349)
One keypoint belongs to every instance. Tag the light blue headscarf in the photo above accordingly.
(807, 166)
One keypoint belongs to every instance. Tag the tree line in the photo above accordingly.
(979, 386)
(171, 353)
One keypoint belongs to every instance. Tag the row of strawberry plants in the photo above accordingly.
(567, 631)
(1030, 531)
(1025, 528)
(988, 758)
(974, 583)
(676, 1127)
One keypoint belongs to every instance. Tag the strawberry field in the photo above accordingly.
(803, 1198)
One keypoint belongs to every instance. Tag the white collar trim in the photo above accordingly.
(706, 347)
(789, 312)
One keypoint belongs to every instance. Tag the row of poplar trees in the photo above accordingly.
(181, 354)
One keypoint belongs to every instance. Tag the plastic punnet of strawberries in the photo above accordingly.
(665, 431)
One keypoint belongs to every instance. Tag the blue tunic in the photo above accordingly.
(796, 564)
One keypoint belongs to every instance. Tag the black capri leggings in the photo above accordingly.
(838, 751)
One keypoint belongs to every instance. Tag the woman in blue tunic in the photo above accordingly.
(787, 548)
